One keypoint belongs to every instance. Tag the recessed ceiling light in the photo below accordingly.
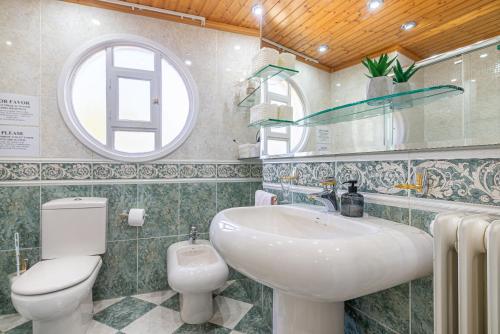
(484, 55)
(8, 43)
(338, 84)
(458, 61)
(409, 25)
(237, 47)
(473, 80)
(96, 22)
(323, 48)
(374, 4)
(188, 62)
(453, 80)
(257, 10)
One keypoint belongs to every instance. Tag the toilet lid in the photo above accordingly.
(54, 275)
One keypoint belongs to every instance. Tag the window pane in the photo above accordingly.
(276, 147)
(134, 100)
(89, 96)
(133, 57)
(278, 86)
(134, 142)
(296, 132)
(175, 103)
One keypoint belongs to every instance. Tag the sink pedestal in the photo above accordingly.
(295, 315)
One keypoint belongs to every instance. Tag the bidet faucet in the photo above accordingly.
(328, 196)
(193, 234)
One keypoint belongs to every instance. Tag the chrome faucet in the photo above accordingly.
(328, 196)
(193, 234)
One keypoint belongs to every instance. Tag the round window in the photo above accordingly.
(128, 98)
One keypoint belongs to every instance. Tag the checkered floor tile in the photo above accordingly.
(158, 313)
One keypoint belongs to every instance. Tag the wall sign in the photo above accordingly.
(19, 109)
(19, 141)
(322, 139)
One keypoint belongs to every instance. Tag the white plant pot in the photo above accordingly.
(378, 86)
(405, 101)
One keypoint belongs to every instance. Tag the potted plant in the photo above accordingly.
(380, 84)
(402, 85)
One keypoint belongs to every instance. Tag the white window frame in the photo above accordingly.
(267, 133)
(112, 74)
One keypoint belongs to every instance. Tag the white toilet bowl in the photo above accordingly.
(57, 294)
(195, 271)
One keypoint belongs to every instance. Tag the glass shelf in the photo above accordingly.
(380, 105)
(265, 73)
(271, 122)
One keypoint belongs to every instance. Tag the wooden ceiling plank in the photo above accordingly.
(275, 28)
(380, 37)
(342, 32)
(324, 15)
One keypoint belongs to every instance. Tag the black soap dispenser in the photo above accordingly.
(352, 203)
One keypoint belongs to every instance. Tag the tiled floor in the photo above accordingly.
(158, 313)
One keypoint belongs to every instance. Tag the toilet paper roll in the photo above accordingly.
(136, 217)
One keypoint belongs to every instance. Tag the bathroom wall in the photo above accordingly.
(461, 176)
(187, 187)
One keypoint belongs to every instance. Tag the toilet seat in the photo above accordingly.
(50, 276)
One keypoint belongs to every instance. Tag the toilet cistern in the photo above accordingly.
(193, 234)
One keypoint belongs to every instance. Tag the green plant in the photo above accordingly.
(401, 75)
(378, 67)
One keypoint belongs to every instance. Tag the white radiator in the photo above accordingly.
(466, 274)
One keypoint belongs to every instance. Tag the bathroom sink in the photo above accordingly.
(314, 259)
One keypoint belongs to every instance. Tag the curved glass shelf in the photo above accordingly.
(380, 105)
(265, 73)
(271, 122)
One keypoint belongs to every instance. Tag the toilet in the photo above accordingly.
(195, 270)
(56, 293)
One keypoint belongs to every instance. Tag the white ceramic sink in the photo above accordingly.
(316, 260)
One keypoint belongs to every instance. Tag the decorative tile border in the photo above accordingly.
(310, 174)
(66, 171)
(82, 171)
(19, 171)
(158, 171)
(232, 171)
(114, 171)
(194, 171)
(462, 180)
(374, 176)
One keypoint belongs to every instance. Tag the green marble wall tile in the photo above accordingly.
(254, 186)
(7, 267)
(118, 274)
(234, 274)
(232, 194)
(422, 219)
(389, 307)
(356, 322)
(396, 214)
(152, 264)
(161, 202)
(267, 305)
(197, 206)
(422, 308)
(49, 193)
(121, 197)
(19, 212)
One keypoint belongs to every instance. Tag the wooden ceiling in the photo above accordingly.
(347, 26)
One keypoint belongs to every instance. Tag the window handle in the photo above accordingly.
(156, 100)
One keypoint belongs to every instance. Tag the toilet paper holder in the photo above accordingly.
(124, 216)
